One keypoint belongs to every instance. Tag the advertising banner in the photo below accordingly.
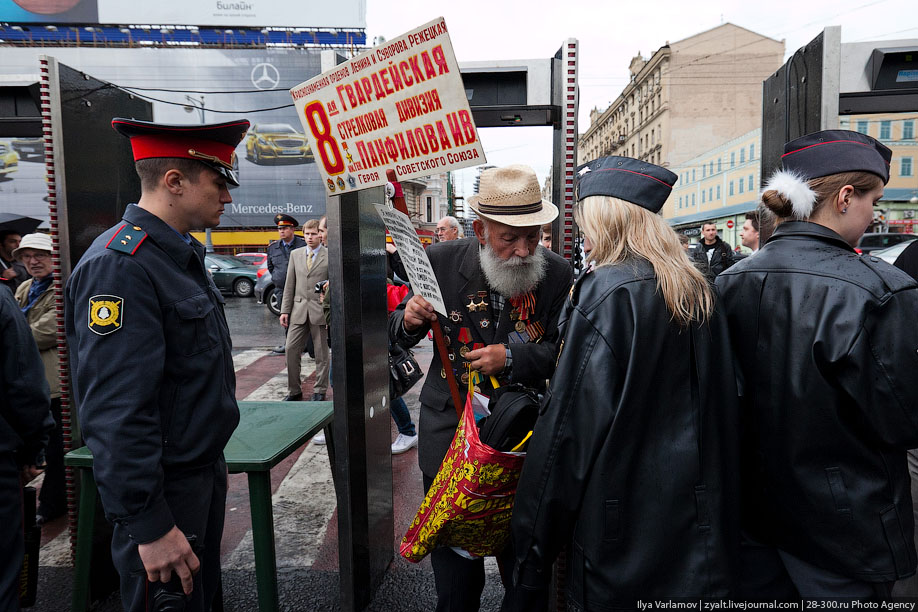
(414, 257)
(400, 106)
(276, 168)
(239, 13)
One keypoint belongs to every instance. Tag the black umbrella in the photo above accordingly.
(18, 223)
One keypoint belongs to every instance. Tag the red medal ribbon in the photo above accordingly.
(525, 304)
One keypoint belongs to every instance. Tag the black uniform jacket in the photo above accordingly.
(825, 342)
(279, 259)
(25, 405)
(635, 452)
(461, 281)
(721, 257)
(155, 389)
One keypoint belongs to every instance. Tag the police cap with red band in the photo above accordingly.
(625, 178)
(836, 151)
(214, 144)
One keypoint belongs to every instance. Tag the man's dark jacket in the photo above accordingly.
(25, 403)
(634, 459)
(825, 342)
(279, 257)
(459, 275)
(721, 258)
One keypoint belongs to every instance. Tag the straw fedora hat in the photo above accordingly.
(511, 195)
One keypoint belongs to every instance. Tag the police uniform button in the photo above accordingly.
(137, 228)
(874, 259)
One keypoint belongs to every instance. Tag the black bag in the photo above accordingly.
(404, 370)
(28, 577)
(514, 410)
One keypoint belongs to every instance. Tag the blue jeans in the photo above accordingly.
(402, 417)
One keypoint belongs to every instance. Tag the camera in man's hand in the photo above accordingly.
(170, 596)
(320, 286)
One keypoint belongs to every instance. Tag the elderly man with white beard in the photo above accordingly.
(503, 293)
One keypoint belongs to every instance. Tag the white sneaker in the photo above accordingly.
(319, 438)
(403, 443)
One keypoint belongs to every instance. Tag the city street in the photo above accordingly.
(305, 520)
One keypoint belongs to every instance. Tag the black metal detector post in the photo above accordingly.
(825, 79)
(362, 453)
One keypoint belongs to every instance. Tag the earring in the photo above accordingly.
(844, 210)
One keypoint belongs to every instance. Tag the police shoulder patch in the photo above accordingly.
(105, 314)
(127, 239)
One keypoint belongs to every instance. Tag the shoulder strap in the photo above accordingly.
(127, 239)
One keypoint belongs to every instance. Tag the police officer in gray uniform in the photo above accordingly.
(279, 257)
(152, 365)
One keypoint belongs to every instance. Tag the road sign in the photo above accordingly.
(401, 105)
(729, 223)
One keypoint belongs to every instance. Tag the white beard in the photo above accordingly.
(515, 276)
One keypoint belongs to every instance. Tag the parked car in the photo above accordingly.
(9, 159)
(256, 259)
(269, 143)
(266, 293)
(890, 254)
(873, 242)
(231, 274)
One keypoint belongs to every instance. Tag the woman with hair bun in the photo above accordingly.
(825, 343)
(634, 459)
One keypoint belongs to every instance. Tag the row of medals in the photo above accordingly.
(456, 317)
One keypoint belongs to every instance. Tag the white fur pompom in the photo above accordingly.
(795, 190)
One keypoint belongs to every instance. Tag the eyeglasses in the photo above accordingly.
(441, 230)
(36, 255)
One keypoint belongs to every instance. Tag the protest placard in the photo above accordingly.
(401, 105)
(414, 257)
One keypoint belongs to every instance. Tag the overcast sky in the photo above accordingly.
(610, 34)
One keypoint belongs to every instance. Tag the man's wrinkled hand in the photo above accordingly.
(489, 360)
(284, 320)
(170, 553)
(418, 313)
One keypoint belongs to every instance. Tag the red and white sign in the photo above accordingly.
(400, 105)
(729, 223)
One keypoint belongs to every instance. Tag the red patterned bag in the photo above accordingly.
(470, 501)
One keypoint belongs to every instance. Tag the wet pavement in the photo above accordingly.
(304, 505)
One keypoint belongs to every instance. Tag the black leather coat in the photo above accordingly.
(634, 459)
(826, 344)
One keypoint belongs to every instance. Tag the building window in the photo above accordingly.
(693, 175)
(704, 170)
(750, 183)
(862, 127)
(885, 129)
(742, 156)
(719, 160)
(732, 159)
(680, 201)
(430, 209)
(711, 194)
(730, 189)
(702, 196)
(693, 199)
(751, 151)
(905, 166)
(712, 166)
(742, 183)
(718, 192)
(908, 130)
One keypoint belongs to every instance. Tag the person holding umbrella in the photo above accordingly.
(12, 229)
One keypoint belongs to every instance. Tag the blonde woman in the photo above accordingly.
(825, 345)
(633, 461)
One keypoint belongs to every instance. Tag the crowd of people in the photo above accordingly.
(710, 427)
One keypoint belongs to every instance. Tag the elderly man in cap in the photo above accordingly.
(503, 293)
(279, 257)
(152, 367)
(36, 301)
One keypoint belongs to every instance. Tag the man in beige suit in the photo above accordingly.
(301, 312)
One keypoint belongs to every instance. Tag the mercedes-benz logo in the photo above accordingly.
(265, 76)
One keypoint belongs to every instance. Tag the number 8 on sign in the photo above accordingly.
(326, 144)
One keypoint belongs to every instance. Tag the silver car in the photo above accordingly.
(266, 293)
